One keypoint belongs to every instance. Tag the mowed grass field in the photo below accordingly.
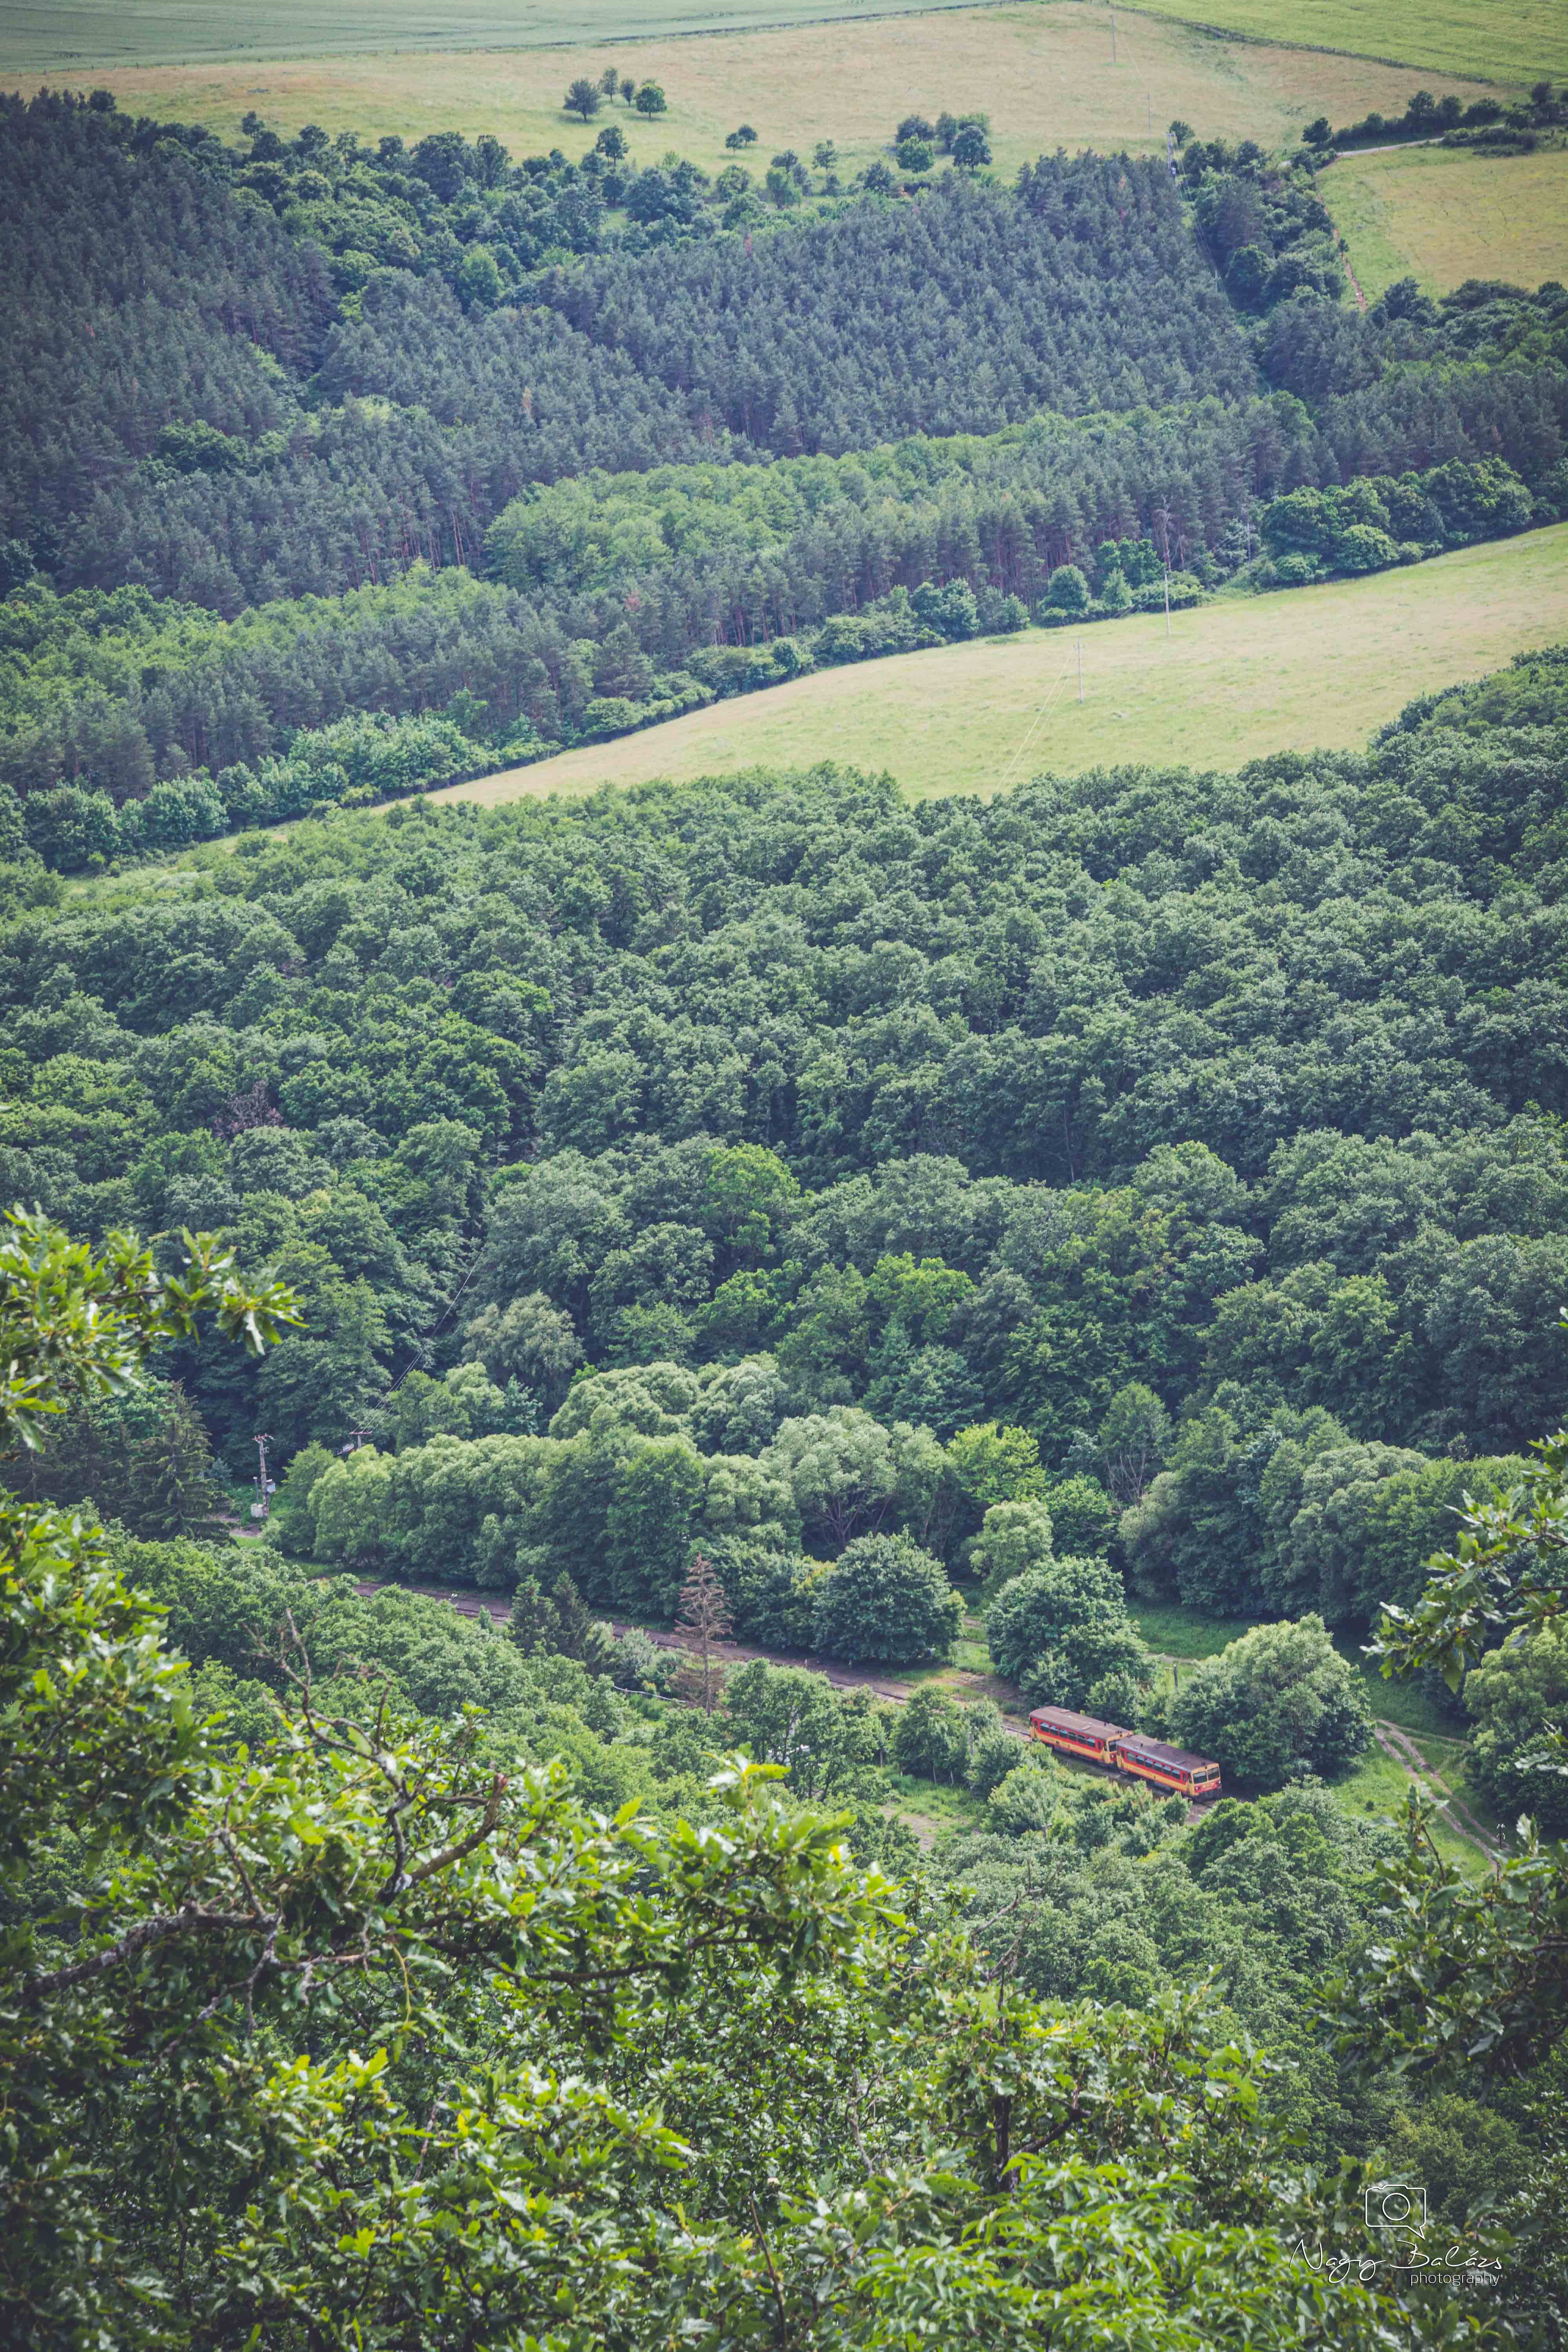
(1045, 74)
(1235, 679)
(1442, 215)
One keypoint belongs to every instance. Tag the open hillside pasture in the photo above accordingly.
(1441, 216)
(1235, 679)
(173, 32)
(1502, 43)
(1045, 75)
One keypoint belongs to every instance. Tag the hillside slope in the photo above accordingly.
(1235, 679)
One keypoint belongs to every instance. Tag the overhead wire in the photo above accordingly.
(1034, 726)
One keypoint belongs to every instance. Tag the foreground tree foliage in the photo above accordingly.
(356, 2035)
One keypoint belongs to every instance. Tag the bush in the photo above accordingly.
(1512, 1696)
(1364, 548)
(1061, 1627)
(1069, 592)
(931, 1739)
(1027, 1800)
(1280, 1698)
(173, 816)
(770, 1592)
(1013, 1538)
(68, 827)
(952, 609)
(886, 1600)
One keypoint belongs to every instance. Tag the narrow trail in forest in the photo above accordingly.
(1404, 1752)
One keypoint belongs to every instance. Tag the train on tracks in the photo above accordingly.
(1119, 1750)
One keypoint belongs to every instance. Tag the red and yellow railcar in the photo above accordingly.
(1121, 1751)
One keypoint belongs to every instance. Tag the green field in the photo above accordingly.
(1441, 215)
(1518, 43)
(1045, 74)
(173, 32)
(1235, 679)
(1480, 37)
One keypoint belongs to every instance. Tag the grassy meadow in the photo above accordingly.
(1234, 679)
(1442, 215)
(1045, 74)
(1505, 42)
(1475, 38)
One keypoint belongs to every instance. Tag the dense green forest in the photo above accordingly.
(1233, 1103)
(400, 1927)
(959, 1243)
(272, 457)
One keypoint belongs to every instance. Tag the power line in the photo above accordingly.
(1040, 713)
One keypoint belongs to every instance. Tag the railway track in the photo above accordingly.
(1394, 1742)
(470, 1603)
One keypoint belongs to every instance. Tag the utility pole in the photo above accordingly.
(1114, 37)
(1170, 155)
(1148, 112)
(1167, 598)
(356, 1439)
(263, 1440)
(1081, 669)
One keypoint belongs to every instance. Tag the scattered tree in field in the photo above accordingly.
(789, 1716)
(1181, 131)
(825, 155)
(628, 88)
(612, 142)
(744, 137)
(914, 155)
(971, 148)
(1026, 1799)
(608, 82)
(582, 98)
(650, 98)
(914, 126)
(701, 1621)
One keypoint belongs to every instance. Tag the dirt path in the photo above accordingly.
(1398, 1745)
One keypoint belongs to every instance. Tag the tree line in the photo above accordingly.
(624, 599)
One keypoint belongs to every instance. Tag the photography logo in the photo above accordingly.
(1396, 2205)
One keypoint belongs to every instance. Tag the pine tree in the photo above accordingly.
(535, 1622)
(703, 1619)
(572, 1613)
